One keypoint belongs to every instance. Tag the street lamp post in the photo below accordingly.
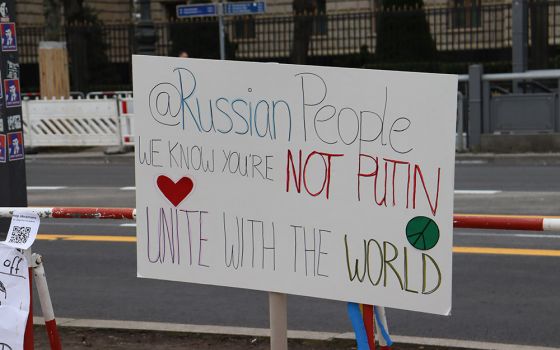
(144, 31)
(13, 187)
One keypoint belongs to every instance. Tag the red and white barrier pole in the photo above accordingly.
(75, 213)
(473, 221)
(46, 304)
(507, 222)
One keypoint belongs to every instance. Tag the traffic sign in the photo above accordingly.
(244, 8)
(200, 10)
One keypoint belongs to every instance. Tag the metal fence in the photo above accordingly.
(100, 55)
(117, 40)
(262, 37)
(471, 28)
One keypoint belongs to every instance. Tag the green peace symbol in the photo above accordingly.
(422, 233)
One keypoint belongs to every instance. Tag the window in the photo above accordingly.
(465, 14)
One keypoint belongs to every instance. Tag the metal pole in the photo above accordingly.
(278, 306)
(475, 106)
(460, 144)
(222, 30)
(519, 35)
(145, 35)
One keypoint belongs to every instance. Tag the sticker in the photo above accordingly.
(13, 70)
(14, 122)
(13, 95)
(3, 149)
(23, 229)
(4, 13)
(15, 145)
(8, 36)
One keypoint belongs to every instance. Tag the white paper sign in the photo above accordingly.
(14, 297)
(23, 229)
(326, 182)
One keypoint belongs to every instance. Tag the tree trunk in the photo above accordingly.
(79, 71)
(304, 11)
(53, 20)
(72, 9)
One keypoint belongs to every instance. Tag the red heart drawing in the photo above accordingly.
(175, 192)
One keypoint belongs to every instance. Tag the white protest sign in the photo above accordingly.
(14, 297)
(325, 182)
(23, 229)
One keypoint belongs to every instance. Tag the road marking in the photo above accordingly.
(460, 250)
(45, 188)
(487, 192)
(128, 225)
(506, 251)
(522, 235)
(88, 238)
(128, 188)
(469, 162)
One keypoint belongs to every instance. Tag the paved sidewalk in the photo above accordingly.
(127, 335)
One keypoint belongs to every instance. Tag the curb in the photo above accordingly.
(508, 158)
(265, 332)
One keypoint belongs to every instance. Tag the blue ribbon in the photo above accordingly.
(355, 316)
(382, 328)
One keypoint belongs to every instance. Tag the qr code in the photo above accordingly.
(20, 234)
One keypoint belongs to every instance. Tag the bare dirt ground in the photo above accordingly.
(110, 339)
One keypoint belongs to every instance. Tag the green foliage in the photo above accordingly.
(403, 33)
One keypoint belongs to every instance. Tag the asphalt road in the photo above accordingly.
(496, 298)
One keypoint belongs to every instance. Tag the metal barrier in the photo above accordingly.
(507, 112)
(511, 111)
(69, 122)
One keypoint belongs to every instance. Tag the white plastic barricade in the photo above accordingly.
(69, 122)
(108, 94)
(126, 119)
